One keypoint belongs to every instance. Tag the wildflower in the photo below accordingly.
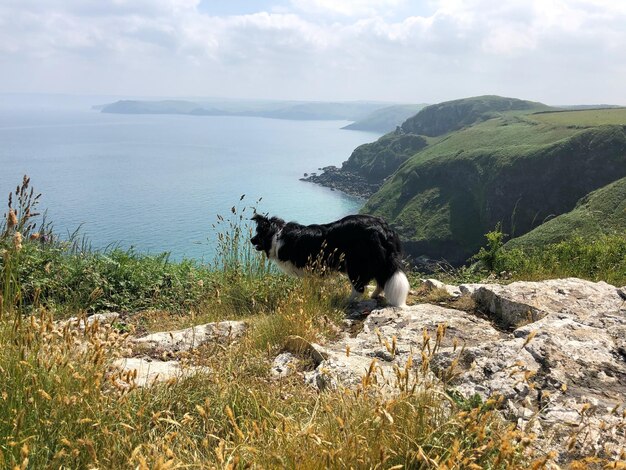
(11, 219)
(17, 241)
(35, 236)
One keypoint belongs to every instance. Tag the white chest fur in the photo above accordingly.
(285, 266)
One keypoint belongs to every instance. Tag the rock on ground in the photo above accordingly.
(554, 350)
(189, 338)
(389, 336)
(147, 371)
(106, 318)
(284, 365)
(453, 291)
(591, 303)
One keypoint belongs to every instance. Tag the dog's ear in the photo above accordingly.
(259, 219)
(277, 221)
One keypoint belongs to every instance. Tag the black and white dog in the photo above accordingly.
(362, 246)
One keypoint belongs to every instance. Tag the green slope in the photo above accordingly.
(386, 119)
(380, 159)
(583, 118)
(516, 168)
(442, 118)
(600, 212)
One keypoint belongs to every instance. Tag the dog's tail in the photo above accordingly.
(396, 287)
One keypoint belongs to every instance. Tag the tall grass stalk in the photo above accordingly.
(235, 253)
(16, 227)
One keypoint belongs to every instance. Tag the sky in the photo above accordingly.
(412, 51)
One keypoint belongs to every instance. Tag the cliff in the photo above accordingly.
(518, 168)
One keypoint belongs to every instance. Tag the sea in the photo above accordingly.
(158, 183)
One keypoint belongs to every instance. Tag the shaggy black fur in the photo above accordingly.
(362, 246)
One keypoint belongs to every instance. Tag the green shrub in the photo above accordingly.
(488, 258)
(39, 269)
(599, 259)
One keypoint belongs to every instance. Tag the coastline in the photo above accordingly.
(347, 182)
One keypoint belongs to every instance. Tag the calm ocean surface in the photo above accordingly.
(158, 182)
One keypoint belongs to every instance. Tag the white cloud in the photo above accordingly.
(553, 50)
(348, 7)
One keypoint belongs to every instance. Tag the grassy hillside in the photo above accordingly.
(449, 116)
(516, 169)
(378, 160)
(386, 119)
(602, 212)
(583, 118)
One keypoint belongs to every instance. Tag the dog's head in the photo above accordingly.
(266, 228)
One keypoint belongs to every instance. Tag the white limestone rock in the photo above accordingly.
(284, 365)
(147, 372)
(554, 350)
(189, 338)
(431, 284)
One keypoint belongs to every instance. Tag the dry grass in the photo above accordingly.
(62, 408)
(424, 294)
(465, 303)
(442, 297)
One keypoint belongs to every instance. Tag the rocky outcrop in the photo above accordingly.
(390, 336)
(593, 304)
(168, 342)
(554, 351)
(370, 164)
(146, 362)
(345, 181)
(145, 371)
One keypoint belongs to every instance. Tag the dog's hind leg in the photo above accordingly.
(377, 291)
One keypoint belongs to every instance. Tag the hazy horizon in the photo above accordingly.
(403, 51)
(96, 99)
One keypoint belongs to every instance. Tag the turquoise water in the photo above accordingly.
(157, 183)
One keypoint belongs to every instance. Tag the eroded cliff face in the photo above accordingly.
(370, 164)
(442, 207)
(455, 170)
